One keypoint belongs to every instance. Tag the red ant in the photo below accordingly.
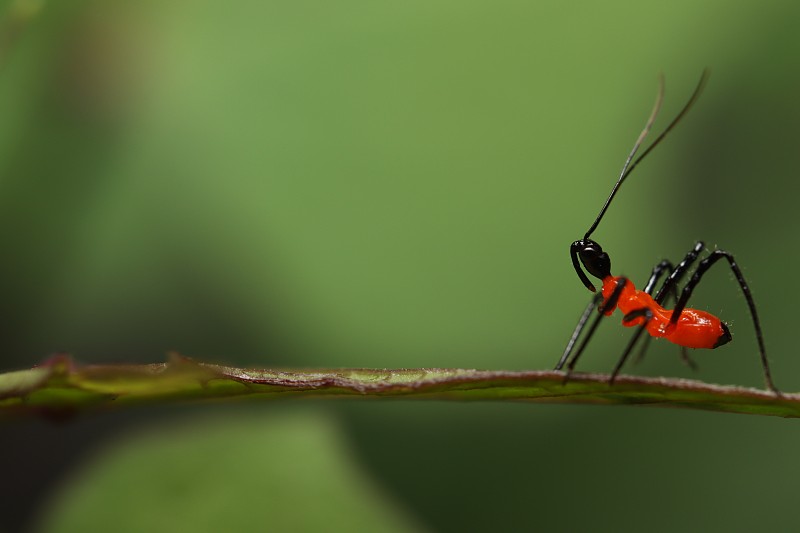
(688, 328)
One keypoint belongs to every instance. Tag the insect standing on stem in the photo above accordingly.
(686, 327)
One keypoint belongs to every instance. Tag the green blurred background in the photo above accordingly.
(390, 184)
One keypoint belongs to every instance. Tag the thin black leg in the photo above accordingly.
(647, 314)
(671, 284)
(643, 350)
(658, 270)
(664, 266)
(702, 268)
(611, 303)
(685, 358)
(675, 277)
(593, 303)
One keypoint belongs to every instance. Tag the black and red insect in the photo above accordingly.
(686, 327)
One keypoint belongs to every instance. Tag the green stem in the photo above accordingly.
(60, 387)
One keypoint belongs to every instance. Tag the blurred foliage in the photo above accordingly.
(395, 185)
(219, 470)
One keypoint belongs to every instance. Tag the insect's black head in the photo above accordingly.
(594, 259)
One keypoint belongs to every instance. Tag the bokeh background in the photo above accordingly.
(389, 184)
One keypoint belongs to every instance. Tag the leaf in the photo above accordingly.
(60, 387)
(249, 471)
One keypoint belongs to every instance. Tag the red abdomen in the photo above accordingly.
(694, 329)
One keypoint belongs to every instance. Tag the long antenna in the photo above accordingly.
(628, 167)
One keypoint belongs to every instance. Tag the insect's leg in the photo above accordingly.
(593, 303)
(702, 268)
(688, 361)
(674, 278)
(643, 350)
(666, 267)
(658, 270)
(638, 313)
(610, 303)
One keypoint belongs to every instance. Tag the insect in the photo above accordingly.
(686, 327)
